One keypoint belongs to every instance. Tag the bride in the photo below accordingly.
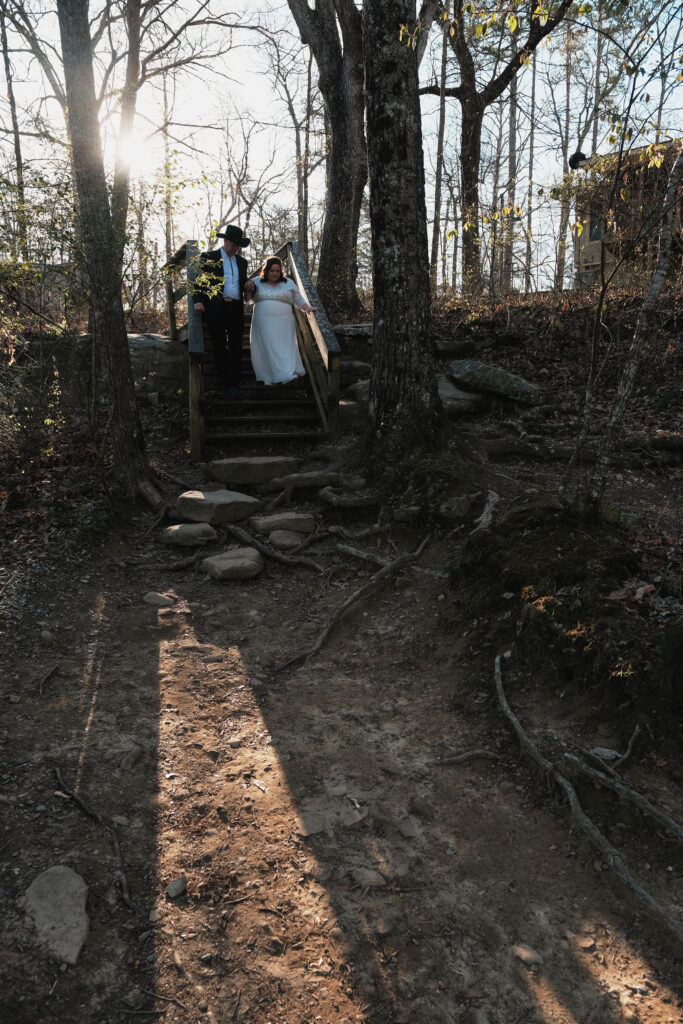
(274, 351)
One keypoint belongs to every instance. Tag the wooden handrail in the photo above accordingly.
(317, 341)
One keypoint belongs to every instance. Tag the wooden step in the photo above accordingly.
(268, 435)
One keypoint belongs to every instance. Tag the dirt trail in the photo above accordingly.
(334, 872)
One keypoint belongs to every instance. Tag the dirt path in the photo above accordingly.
(334, 872)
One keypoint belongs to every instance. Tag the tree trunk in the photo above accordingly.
(168, 191)
(436, 225)
(21, 194)
(565, 202)
(403, 394)
(100, 246)
(121, 188)
(470, 158)
(530, 183)
(508, 250)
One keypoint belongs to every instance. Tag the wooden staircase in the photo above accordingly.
(303, 410)
(280, 412)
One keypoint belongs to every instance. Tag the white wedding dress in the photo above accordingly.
(274, 350)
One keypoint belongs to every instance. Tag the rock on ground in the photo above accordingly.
(55, 902)
(295, 522)
(237, 564)
(285, 539)
(254, 470)
(455, 401)
(216, 507)
(188, 535)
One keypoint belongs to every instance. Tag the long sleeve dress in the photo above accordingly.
(274, 350)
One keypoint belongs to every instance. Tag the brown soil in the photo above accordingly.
(340, 865)
(335, 871)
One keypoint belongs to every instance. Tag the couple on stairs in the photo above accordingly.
(222, 288)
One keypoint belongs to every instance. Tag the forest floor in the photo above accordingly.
(341, 864)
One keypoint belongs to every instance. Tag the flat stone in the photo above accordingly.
(369, 878)
(296, 522)
(177, 887)
(482, 377)
(527, 955)
(188, 535)
(285, 539)
(409, 827)
(455, 400)
(158, 600)
(238, 564)
(55, 902)
(254, 470)
(216, 507)
(310, 823)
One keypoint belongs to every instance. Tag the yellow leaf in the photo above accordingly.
(512, 23)
(506, 211)
(452, 30)
(486, 220)
(479, 30)
(624, 194)
(579, 229)
(518, 210)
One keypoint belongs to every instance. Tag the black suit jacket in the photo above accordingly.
(210, 290)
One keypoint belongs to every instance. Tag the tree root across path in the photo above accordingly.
(266, 549)
(385, 573)
(111, 832)
(609, 853)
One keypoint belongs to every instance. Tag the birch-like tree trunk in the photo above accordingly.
(100, 248)
(642, 329)
(436, 225)
(565, 201)
(530, 183)
(16, 137)
(508, 248)
(406, 412)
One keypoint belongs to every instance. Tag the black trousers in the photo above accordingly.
(226, 324)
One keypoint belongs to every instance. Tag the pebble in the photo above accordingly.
(587, 944)
(14, 698)
(177, 887)
(46, 636)
(409, 827)
(527, 955)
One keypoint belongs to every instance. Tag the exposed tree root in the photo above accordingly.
(163, 511)
(46, 676)
(364, 556)
(386, 572)
(609, 853)
(270, 552)
(111, 832)
(369, 531)
(627, 793)
(349, 500)
(149, 493)
(467, 755)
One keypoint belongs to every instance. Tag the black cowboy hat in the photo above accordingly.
(234, 234)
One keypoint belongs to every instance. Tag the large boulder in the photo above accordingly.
(237, 564)
(472, 373)
(255, 470)
(216, 507)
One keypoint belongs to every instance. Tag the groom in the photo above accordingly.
(220, 286)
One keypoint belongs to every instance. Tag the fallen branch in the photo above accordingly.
(627, 793)
(363, 556)
(111, 832)
(385, 573)
(486, 518)
(609, 853)
(312, 538)
(266, 549)
(468, 755)
(45, 678)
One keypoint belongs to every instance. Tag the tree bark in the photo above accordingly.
(508, 249)
(121, 188)
(21, 192)
(333, 32)
(530, 183)
(436, 225)
(100, 246)
(403, 394)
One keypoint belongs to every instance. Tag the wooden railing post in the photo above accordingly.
(170, 308)
(195, 352)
